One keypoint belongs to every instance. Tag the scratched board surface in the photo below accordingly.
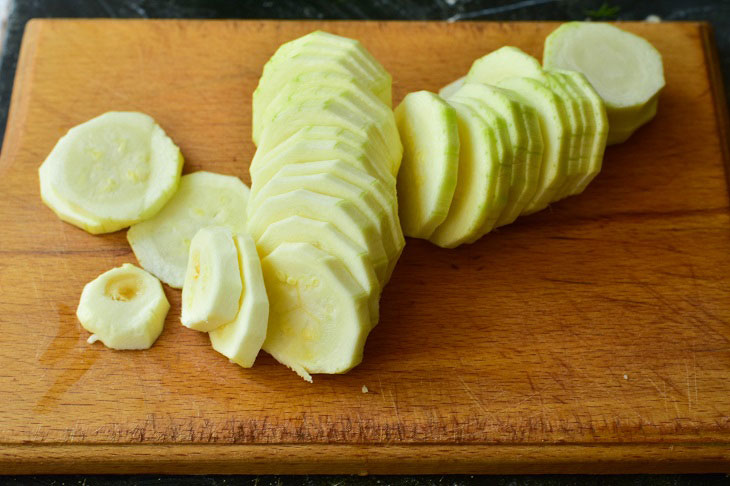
(592, 336)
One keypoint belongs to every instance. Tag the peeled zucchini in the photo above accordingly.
(427, 177)
(625, 70)
(470, 204)
(328, 238)
(335, 178)
(161, 244)
(554, 128)
(349, 91)
(110, 172)
(452, 87)
(124, 308)
(342, 213)
(499, 175)
(504, 63)
(575, 135)
(331, 185)
(212, 286)
(318, 315)
(336, 112)
(316, 143)
(525, 166)
(318, 51)
(241, 339)
(596, 110)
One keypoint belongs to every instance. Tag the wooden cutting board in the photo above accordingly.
(591, 337)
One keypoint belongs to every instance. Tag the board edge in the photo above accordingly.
(719, 99)
(549, 458)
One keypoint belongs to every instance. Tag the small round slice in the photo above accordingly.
(427, 177)
(318, 319)
(212, 285)
(241, 339)
(124, 308)
(625, 70)
(161, 244)
(114, 170)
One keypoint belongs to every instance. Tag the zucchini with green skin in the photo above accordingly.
(427, 178)
(624, 69)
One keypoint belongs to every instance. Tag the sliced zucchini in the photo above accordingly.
(310, 144)
(161, 244)
(212, 287)
(469, 207)
(331, 185)
(452, 87)
(340, 212)
(575, 135)
(124, 308)
(241, 339)
(328, 238)
(302, 56)
(334, 112)
(317, 177)
(352, 47)
(68, 213)
(318, 315)
(499, 174)
(355, 97)
(110, 172)
(596, 111)
(524, 181)
(625, 70)
(334, 46)
(553, 125)
(427, 177)
(504, 63)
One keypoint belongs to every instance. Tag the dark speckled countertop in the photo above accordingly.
(717, 12)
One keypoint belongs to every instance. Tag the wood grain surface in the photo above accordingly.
(591, 337)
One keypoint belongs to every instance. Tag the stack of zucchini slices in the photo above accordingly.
(323, 208)
(508, 139)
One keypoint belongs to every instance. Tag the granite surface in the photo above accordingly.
(717, 12)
